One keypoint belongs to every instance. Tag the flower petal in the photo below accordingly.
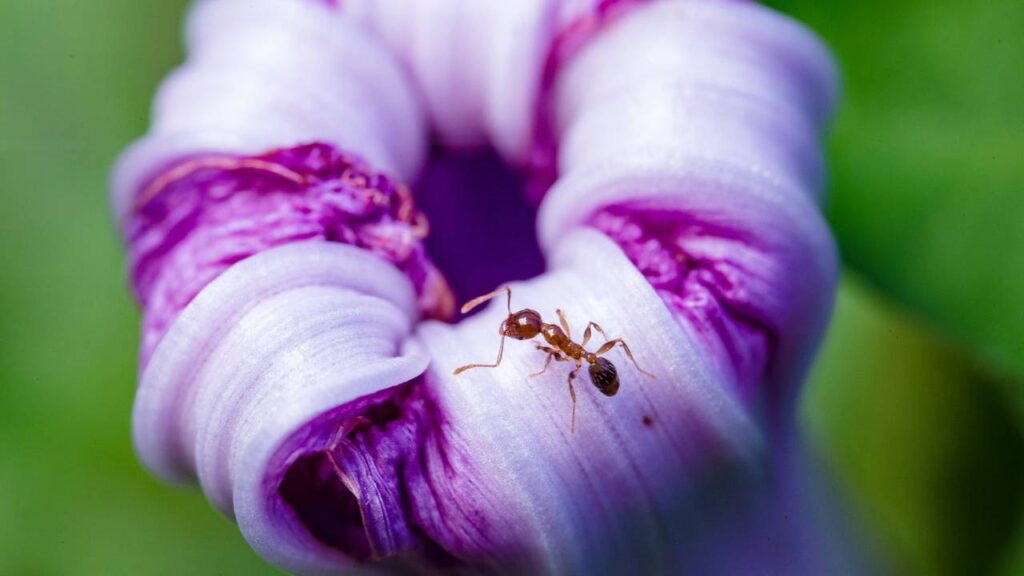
(271, 344)
(729, 82)
(265, 74)
(476, 63)
(697, 124)
(611, 497)
(501, 479)
(167, 386)
(205, 214)
(296, 388)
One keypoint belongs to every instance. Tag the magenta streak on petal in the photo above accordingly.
(387, 485)
(204, 214)
(542, 159)
(351, 494)
(683, 260)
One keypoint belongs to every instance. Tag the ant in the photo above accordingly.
(526, 324)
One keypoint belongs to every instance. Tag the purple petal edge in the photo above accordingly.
(203, 214)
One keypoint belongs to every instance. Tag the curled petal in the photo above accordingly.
(479, 64)
(267, 74)
(689, 135)
(730, 247)
(267, 347)
(479, 469)
(168, 384)
(200, 217)
(740, 48)
(733, 83)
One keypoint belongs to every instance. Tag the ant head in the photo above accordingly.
(522, 325)
(604, 376)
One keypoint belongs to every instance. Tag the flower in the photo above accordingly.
(287, 363)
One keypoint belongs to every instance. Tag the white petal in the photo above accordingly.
(265, 74)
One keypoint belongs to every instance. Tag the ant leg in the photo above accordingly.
(586, 333)
(572, 394)
(545, 368)
(561, 320)
(501, 349)
(552, 353)
(481, 299)
(611, 344)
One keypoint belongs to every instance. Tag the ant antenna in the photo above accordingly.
(481, 299)
(501, 346)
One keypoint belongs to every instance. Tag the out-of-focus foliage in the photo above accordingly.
(928, 161)
(76, 79)
(923, 202)
(925, 449)
(927, 202)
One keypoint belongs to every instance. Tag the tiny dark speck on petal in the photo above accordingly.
(648, 421)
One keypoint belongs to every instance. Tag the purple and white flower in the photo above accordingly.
(291, 360)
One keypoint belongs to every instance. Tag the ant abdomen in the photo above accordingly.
(604, 376)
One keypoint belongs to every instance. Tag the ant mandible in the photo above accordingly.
(526, 324)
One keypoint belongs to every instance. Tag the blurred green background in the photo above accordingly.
(916, 404)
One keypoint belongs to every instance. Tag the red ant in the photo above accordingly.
(526, 324)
